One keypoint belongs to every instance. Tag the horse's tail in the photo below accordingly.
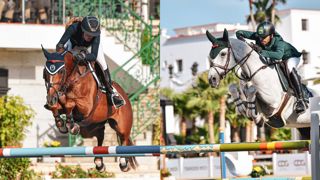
(132, 160)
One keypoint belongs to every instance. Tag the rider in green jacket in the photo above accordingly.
(271, 46)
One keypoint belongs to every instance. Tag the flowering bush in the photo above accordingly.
(52, 144)
(77, 172)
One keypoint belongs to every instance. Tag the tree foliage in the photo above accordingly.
(263, 10)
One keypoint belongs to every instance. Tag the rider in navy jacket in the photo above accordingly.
(87, 34)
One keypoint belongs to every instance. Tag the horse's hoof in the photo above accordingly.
(101, 168)
(75, 129)
(124, 165)
(59, 123)
(124, 168)
(63, 130)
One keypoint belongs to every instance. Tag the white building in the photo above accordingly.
(298, 27)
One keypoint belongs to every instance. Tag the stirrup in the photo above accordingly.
(117, 105)
(299, 112)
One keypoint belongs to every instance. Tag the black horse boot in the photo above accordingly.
(115, 97)
(300, 106)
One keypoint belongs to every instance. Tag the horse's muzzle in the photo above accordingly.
(213, 82)
(52, 100)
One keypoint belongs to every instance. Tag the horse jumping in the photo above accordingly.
(73, 90)
(263, 97)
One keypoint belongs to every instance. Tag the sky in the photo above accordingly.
(184, 13)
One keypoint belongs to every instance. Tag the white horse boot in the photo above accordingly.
(240, 106)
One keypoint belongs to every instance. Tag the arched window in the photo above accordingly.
(4, 82)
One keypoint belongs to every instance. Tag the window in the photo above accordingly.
(304, 24)
(154, 9)
(3, 81)
(180, 65)
(305, 57)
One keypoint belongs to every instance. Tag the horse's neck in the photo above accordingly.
(266, 81)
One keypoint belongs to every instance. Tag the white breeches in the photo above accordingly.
(100, 58)
(293, 63)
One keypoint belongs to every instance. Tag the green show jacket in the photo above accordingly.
(277, 49)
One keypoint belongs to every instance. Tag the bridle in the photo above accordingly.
(60, 88)
(239, 64)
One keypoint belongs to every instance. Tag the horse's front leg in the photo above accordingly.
(73, 127)
(239, 101)
(99, 160)
(251, 106)
(60, 123)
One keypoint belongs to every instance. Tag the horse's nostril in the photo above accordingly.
(54, 100)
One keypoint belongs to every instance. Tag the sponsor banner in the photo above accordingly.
(291, 164)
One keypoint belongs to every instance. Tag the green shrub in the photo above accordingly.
(146, 54)
(78, 172)
(15, 116)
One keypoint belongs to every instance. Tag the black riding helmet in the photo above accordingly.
(265, 29)
(91, 25)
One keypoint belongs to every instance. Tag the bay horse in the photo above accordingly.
(263, 92)
(72, 90)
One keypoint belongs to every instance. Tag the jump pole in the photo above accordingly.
(138, 150)
(80, 151)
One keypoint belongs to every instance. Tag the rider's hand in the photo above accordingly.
(257, 48)
(60, 48)
(81, 56)
(241, 38)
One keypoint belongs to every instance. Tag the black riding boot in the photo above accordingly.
(116, 99)
(300, 106)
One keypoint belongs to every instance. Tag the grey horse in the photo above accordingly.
(261, 96)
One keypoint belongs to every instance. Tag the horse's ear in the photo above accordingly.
(45, 52)
(225, 35)
(210, 37)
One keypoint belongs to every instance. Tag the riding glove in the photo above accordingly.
(241, 38)
(257, 48)
(59, 48)
(80, 56)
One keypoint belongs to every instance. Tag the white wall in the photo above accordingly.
(190, 50)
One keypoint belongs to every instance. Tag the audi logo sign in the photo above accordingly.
(283, 163)
(299, 162)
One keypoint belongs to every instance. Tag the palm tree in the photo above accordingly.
(179, 102)
(264, 10)
(252, 20)
(206, 101)
(273, 9)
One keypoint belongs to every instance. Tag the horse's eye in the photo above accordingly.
(223, 53)
(211, 63)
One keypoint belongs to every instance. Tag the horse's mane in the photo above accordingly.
(239, 47)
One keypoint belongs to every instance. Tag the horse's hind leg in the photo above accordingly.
(99, 160)
(124, 139)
